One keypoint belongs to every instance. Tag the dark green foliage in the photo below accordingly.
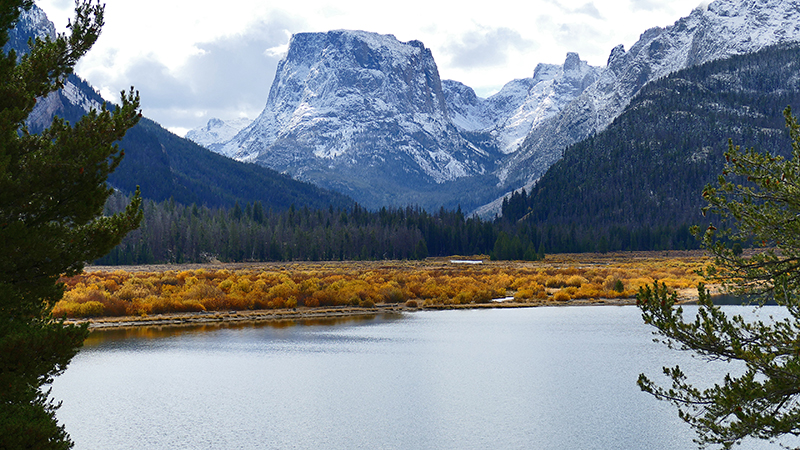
(758, 194)
(52, 193)
(517, 246)
(176, 233)
(636, 185)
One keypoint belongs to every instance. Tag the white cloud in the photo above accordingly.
(485, 47)
(192, 61)
(590, 10)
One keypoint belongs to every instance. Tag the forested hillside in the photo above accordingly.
(168, 166)
(637, 184)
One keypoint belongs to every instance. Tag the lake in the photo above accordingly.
(535, 378)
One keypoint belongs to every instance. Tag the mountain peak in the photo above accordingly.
(217, 131)
(616, 56)
(347, 106)
(573, 62)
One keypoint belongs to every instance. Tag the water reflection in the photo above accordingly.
(738, 300)
(102, 336)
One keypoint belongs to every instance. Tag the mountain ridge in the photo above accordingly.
(349, 106)
(489, 147)
(724, 28)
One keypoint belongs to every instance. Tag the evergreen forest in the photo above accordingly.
(176, 233)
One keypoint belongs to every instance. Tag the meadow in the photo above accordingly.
(123, 291)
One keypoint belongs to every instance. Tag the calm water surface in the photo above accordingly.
(539, 378)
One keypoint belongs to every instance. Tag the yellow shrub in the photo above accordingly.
(183, 275)
(557, 281)
(89, 309)
(202, 291)
(134, 288)
(286, 289)
(576, 281)
(502, 281)
(226, 285)
(561, 296)
(524, 294)
(244, 285)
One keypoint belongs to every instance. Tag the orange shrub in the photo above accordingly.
(561, 296)
(393, 294)
(576, 281)
(135, 288)
(556, 281)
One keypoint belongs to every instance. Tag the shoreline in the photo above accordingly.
(278, 315)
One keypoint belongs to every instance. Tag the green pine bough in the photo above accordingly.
(757, 202)
(52, 193)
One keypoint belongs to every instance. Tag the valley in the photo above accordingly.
(575, 158)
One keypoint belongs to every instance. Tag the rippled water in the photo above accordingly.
(539, 378)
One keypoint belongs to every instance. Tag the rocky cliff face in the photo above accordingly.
(368, 115)
(162, 164)
(521, 105)
(76, 95)
(351, 108)
(32, 24)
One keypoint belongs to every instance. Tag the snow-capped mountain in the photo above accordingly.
(368, 115)
(521, 105)
(361, 112)
(724, 28)
(217, 131)
(348, 107)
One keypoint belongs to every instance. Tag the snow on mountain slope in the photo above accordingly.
(359, 103)
(217, 131)
(724, 28)
(522, 104)
(32, 24)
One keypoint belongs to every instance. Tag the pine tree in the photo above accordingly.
(52, 192)
(759, 195)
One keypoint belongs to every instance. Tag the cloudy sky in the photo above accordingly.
(193, 59)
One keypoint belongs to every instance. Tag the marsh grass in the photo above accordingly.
(435, 283)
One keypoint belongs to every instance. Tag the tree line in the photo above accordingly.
(176, 233)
